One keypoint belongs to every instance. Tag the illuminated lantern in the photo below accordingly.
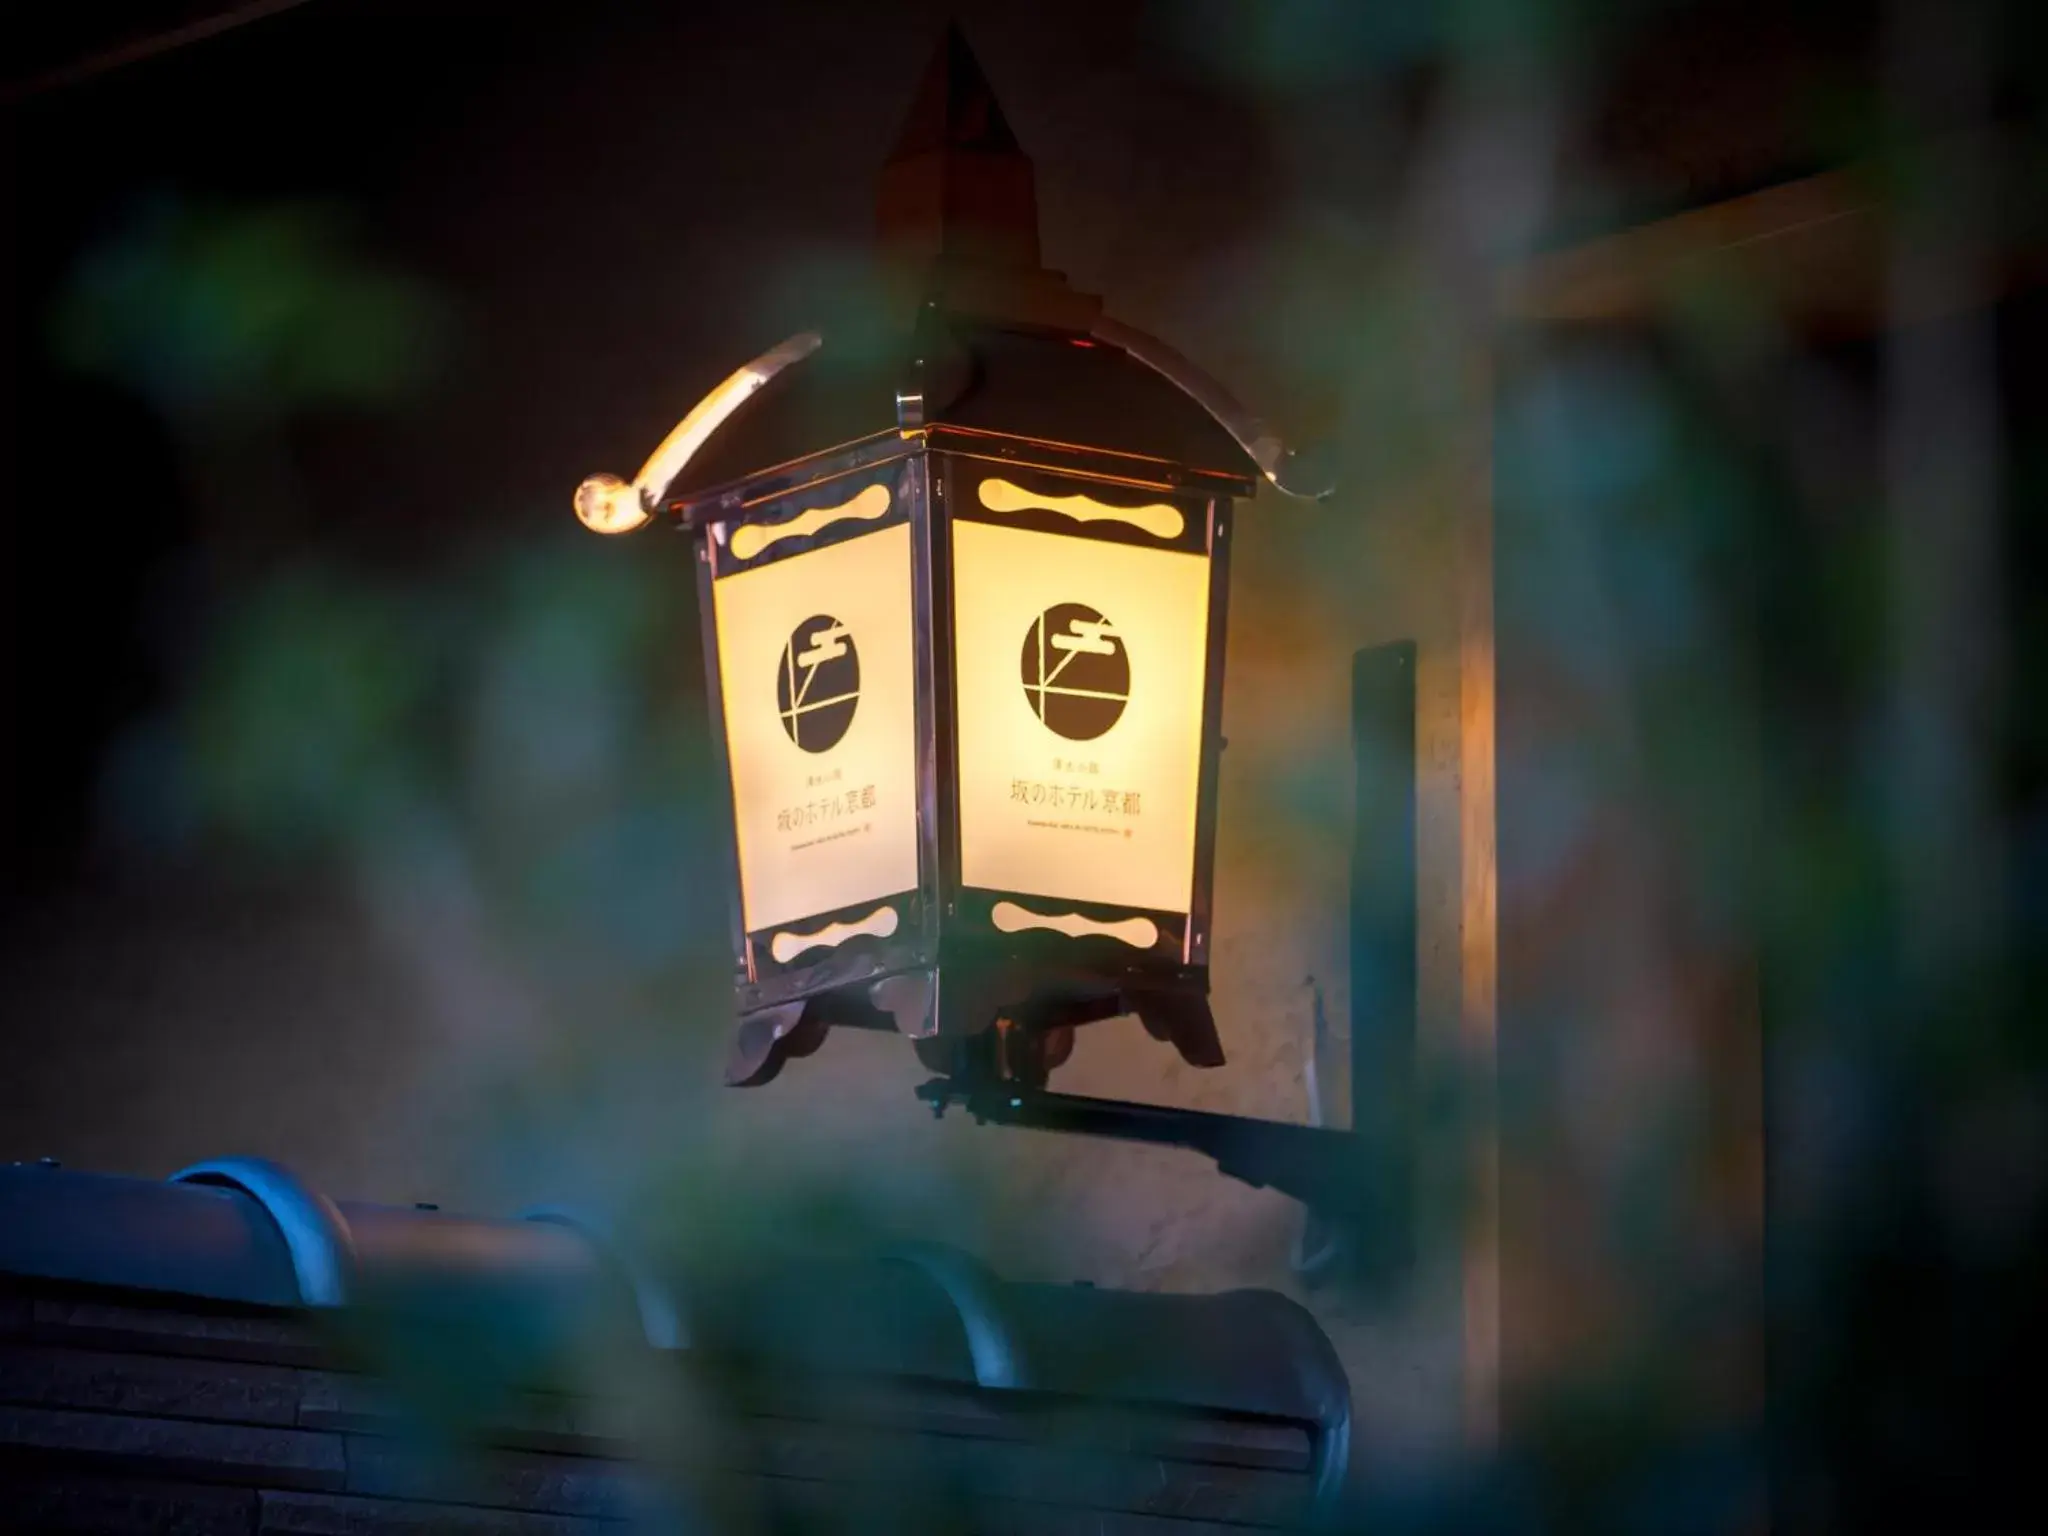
(963, 609)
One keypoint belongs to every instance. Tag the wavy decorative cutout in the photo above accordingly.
(1156, 518)
(752, 538)
(786, 946)
(1138, 932)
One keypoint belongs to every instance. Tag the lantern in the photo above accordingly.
(963, 610)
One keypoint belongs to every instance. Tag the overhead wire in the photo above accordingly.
(139, 49)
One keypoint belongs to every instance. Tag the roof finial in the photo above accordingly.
(957, 187)
(955, 107)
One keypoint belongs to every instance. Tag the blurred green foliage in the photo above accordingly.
(310, 715)
(247, 312)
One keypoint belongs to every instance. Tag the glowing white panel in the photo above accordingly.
(815, 669)
(1080, 667)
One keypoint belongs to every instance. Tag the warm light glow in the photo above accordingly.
(607, 504)
(1138, 932)
(1080, 667)
(817, 687)
(879, 924)
(752, 538)
(1157, 518)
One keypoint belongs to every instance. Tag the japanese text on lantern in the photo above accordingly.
(1074, 797)
(831, 808)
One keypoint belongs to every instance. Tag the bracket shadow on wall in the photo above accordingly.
(1357, 1185)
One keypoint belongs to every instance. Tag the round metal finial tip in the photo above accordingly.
(607, 504)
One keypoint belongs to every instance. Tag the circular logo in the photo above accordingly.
(1077, 675)
(818, 687)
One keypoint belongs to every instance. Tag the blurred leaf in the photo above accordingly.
(308, 721)
(247, 312)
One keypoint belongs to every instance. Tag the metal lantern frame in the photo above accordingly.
(990, 1013)
(976, 999)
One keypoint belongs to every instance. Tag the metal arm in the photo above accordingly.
(1316, 1166)
(607, 504)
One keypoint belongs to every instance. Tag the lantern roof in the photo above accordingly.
(1060, 388)
(980, 338)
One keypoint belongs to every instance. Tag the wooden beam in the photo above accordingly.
(1815, 254)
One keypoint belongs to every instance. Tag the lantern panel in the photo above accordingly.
(811, 598)
(1081, 630)
(1080, 670)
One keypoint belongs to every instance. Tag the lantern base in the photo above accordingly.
(993, 1024)
(766, 1041)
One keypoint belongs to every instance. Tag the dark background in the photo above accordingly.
(309, 329)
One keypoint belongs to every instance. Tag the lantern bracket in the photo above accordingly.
(1320, 1167)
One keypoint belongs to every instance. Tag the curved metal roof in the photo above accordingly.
(1051, 386)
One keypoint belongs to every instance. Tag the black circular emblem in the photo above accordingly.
(1077, 675)
(818, 688)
